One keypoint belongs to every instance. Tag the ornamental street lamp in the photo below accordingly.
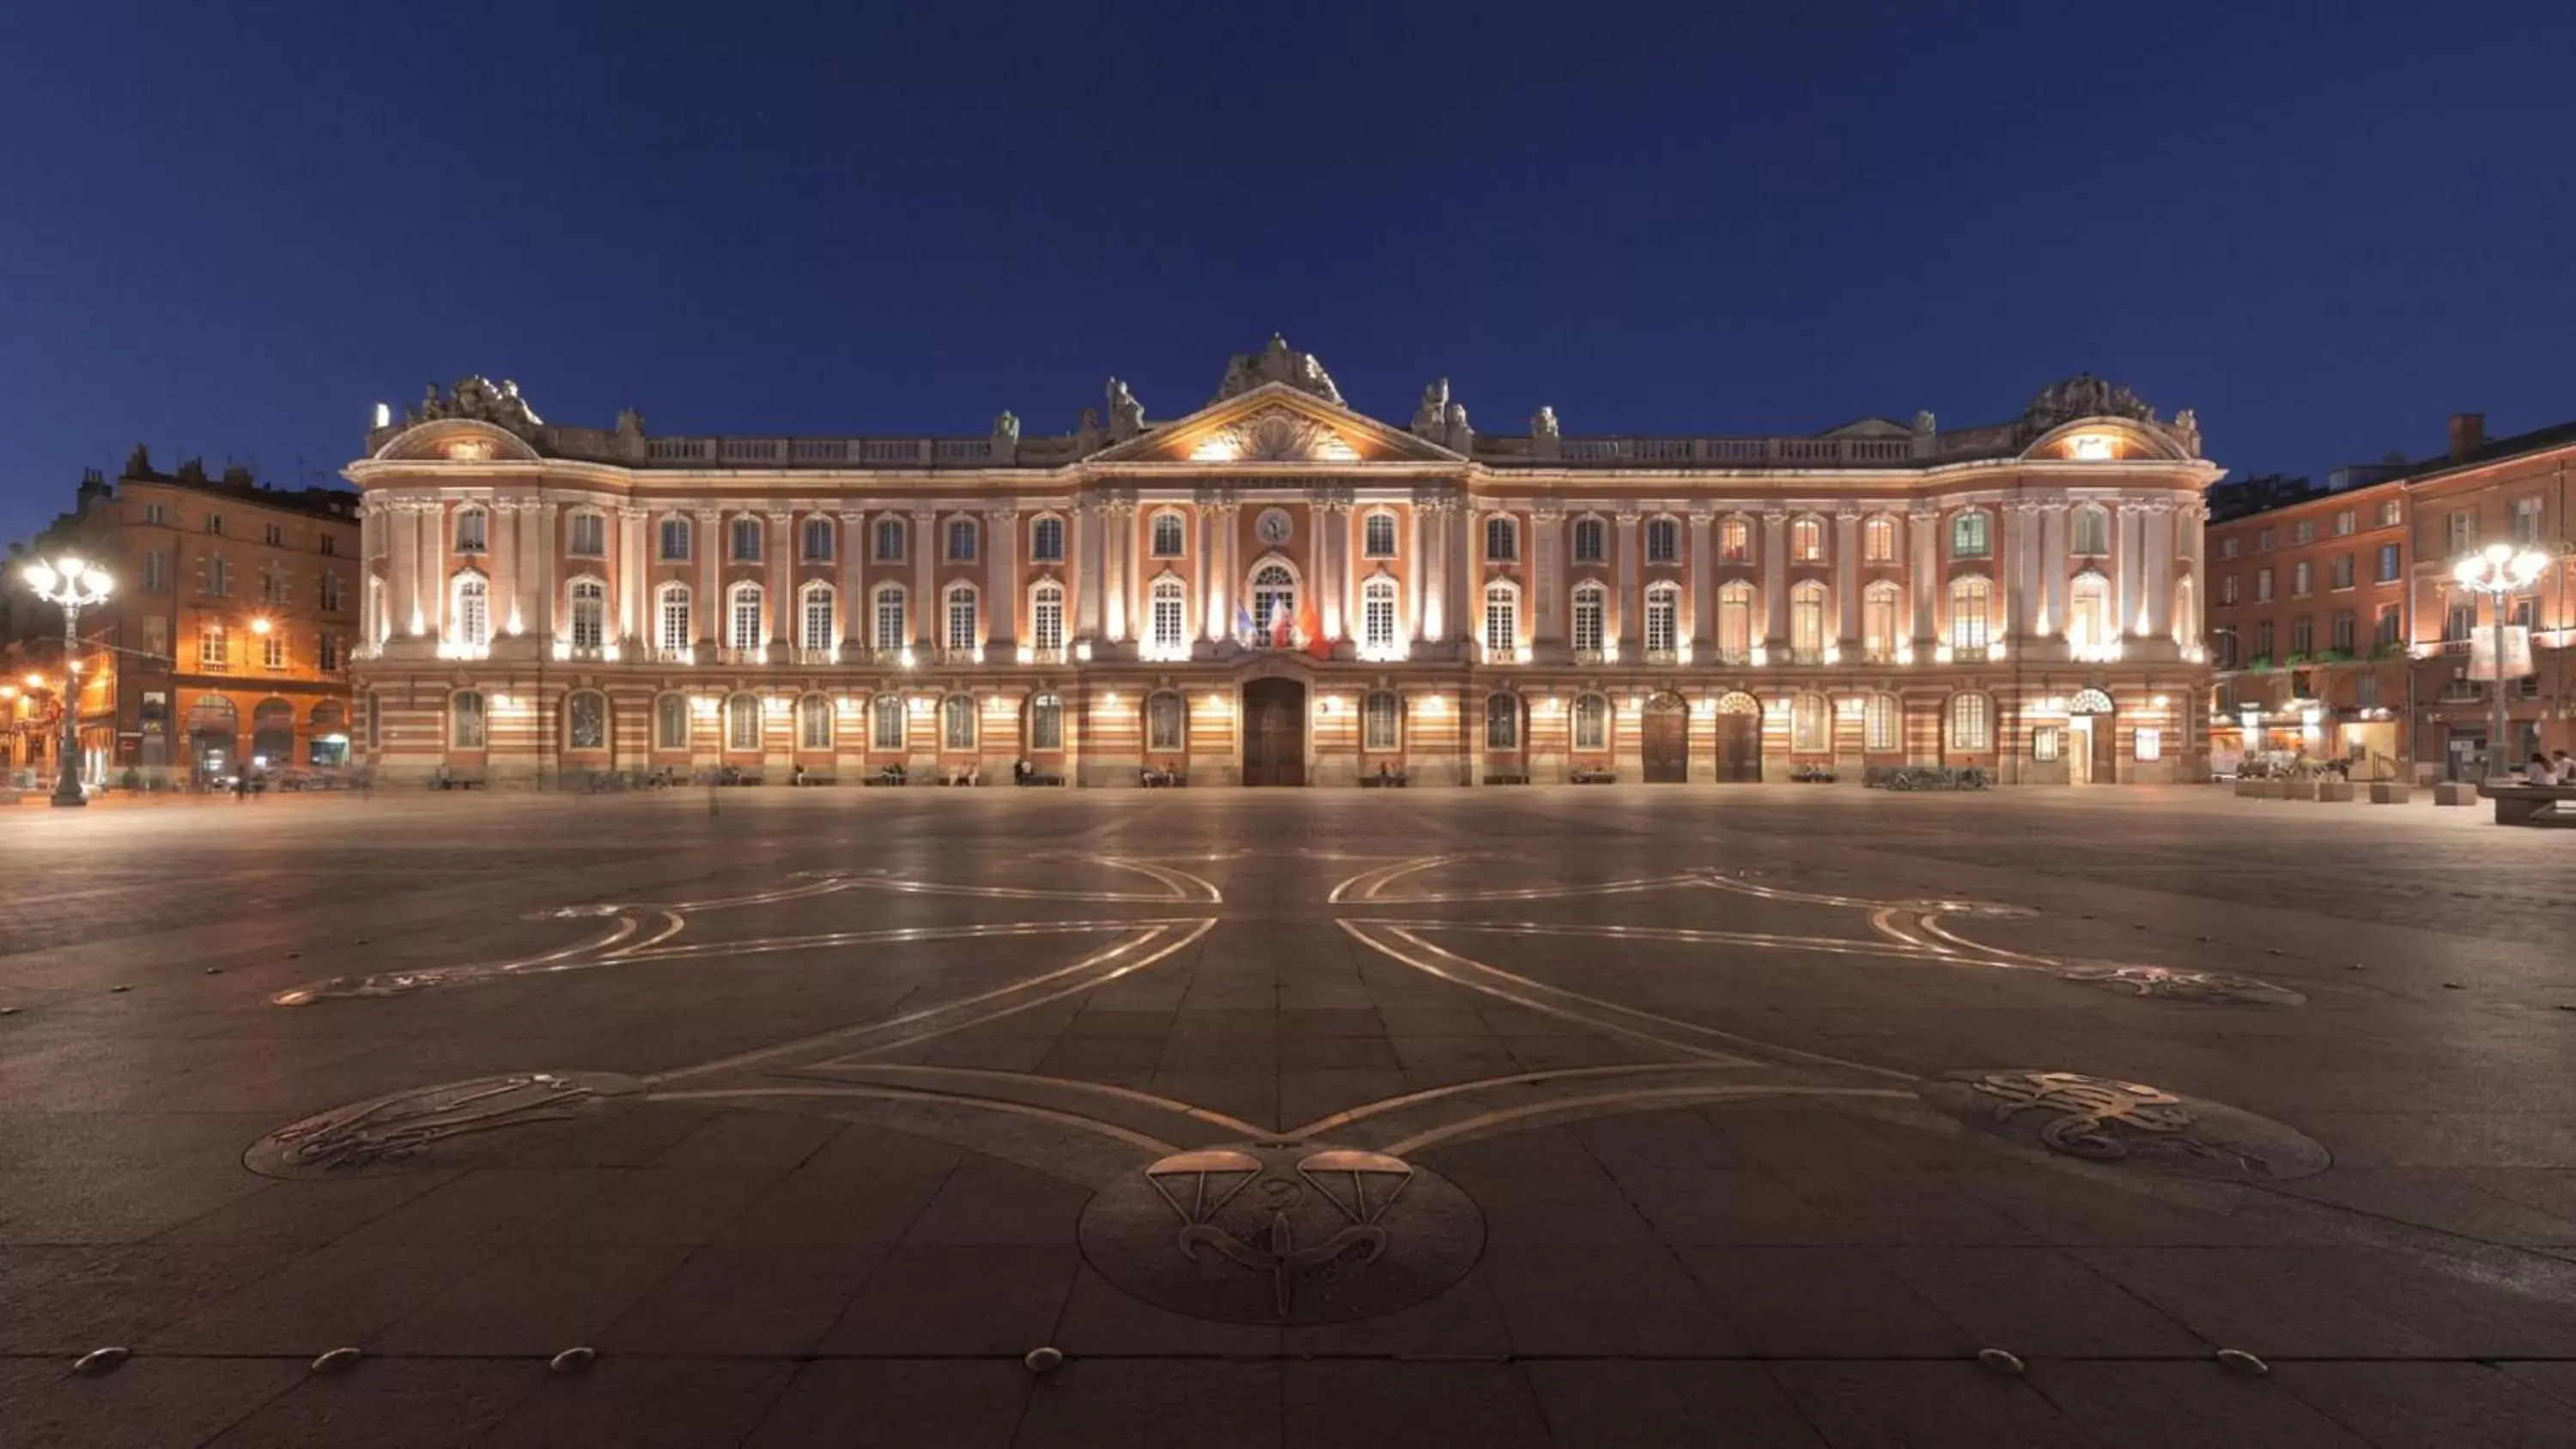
(75, 586)
(2496, 571)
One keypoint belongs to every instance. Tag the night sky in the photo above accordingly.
(2324, 226)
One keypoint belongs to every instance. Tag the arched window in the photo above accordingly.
(1377, 535)
(1046, 540)
(1878, 539)
(2089, 701)
(1591, 722)
(961, 540)
(2088, 611)
(890, 618)
(1663, 540)
(1381, 720)
(1663, 618)
(814, 624)
(1735, 620)
(1878, 620)
(1274, 599)
(957, 722)
(671, 619)
(2088, 530)
(818, 540)
(961, 616)
(465, 719)
(1591, 540)
(586, 720)
(1811, 724)
(1971, 727)
(1970, 536)
(1046, 615)
(1166, 722)
(1166, 624)
(469, 530)
(1807, 539)
(1502, 619)
(1879, 723)
(814, 723)
(745, 531)
(1969, 598)
(742, 617)
(742, 722)
(1168, 535)
(671, 722)
(586, 534)
(1502, 538)
(1735, 539)
(1377, 615)
(1591, 604)
(1046, 722)
(1503, 723)
(473, 611)
(885, 722)
(1807, 619)
(890, 531)
(589, 613)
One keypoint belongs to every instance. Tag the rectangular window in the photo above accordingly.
(2344, 523)
(156, 513)
(1377, 618)
(1502, 622)
(156, 637)
(2304, 531)
(2262, 586)
(214, 650)
(1165, 624)
(2341, 636)
(2365, 690)
(2227, 547)
(1969, 729)
(156, 570)
(1591, 723)
(675, 540)
(2390, 621)
(2526, 519)
(961, 540)
(1587, 618)
(587, 721)
(1046, 540)
(2302, 579)
(331, 600)
(2460, 529)
(1663, 540)
(886, 722)
(818, 540)
(2388, 563)
(2303, 635)
(465, 720)
(746, 540)
(589, 536)
(2389, 513)
(818, 620)
(1381, 718)
(1878, 723)
(326, 654)
(219, 576)
(1378, 536)
(2151, 742)
(469, 531)
(215, 523)
(890, 620)
(2460, 622)
(589, 614)
(274, 536)
(272, 650)
(814, 721)
(675, 620)
(330, 543)
(2047, 742)
(1662, 618)
(2262, 540)
(961, 619)
(889, 539)
(1046, 619)
(2263, 641)
(2342, 576)
(2227, 588)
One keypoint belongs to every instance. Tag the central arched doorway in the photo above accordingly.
(1738, 727)
(214, 731)
(1663, 744)
(1274, 732)
(2096, 750)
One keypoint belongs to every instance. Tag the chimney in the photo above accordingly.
(2468, 434)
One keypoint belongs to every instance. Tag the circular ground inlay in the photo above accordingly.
(2175, 985)
(2102, 1119)
(432, 1125)
(1282, 1233)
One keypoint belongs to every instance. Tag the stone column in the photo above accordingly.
(1417, 565)
(1543, 603)
(1923, 531)
(432, 539)
(2190, 521)
(1775, 581)
(2053, 561)
(1703, 573)
(502, 520)
(1002, 593)
(1226, 571)
(394, 524)
(1206, 584)
(926, 623)
(538, 570)
(2124, 576)
(1627, 624)
(782, 586)
(1330, 517)
(1465, 581)
(631, 552)
(2156, 577)
(708, 616)
(1118, 541)
(857, 622)
(1846, 633)
(1086, 525)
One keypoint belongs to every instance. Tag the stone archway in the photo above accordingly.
(1663, 745)
(1737, 727)
(1274, 732)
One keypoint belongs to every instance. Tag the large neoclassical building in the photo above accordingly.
(1276, 589)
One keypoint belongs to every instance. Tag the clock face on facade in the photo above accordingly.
(1274, 526)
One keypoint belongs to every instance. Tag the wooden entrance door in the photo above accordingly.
(1739, 747)
(1665, 746)
(1274, 732)
(2106, 750)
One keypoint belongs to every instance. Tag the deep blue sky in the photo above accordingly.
(2324, 226)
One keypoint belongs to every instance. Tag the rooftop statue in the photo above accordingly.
(1007, 425)
(2084, 396)
(1126, 415)
(1430, 419)
(1543, 423)
(474, 397)
(1278, 362)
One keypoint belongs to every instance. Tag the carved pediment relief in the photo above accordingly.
(1273, 435)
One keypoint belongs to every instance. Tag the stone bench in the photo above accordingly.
(2390, 792)
(2258, 789)
(1382, 782)
(1595, 777)
(2527, 804)
(1507, 779)
(1041, 778)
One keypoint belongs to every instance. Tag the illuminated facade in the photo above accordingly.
(1276, 589)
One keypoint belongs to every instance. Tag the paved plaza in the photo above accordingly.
(1614, 1116)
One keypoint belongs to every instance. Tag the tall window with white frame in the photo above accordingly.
(743, 631)
(961, 540)
(1165, 623)
(815, 623)
(1503, 724)
(675, 540)
(1970, 597)
(961, 618)
(1971, 727)
(1663, 620)
(589, 614)
(1046, 540)
(1377, 535)
(746, 540)
(2089, 530)
(469, 530)
(1878, 621)
(1166, 722)
(1168, 535)
(1377, 616)
(586, 720)
(818, 540)
(1734, 621)
(1811, 724)
(1381, 721)
(890, 533)
(1970, 535)
(890, 618)
(1502, 620)
(1879, 719)
(1807, 539)
(671, 620)
(814, 723)
(671, 722)
(886, 721)
(1663, 540)
(1591, 603)
(1046, 617)
(1591, 540)
(957, 722)
(742, 722)
(1502, 538)
(1046, 722)
(465, 720)
(1807, 620)
(1878, 539)
(586, 535)
(1274, 600)
(473, 611)
(1591, 723)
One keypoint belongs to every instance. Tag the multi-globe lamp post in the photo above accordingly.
(2499, 571)
(74, 586)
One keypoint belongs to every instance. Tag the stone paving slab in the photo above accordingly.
(1756, 1141)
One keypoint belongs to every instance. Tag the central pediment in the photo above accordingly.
(1276, 422)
